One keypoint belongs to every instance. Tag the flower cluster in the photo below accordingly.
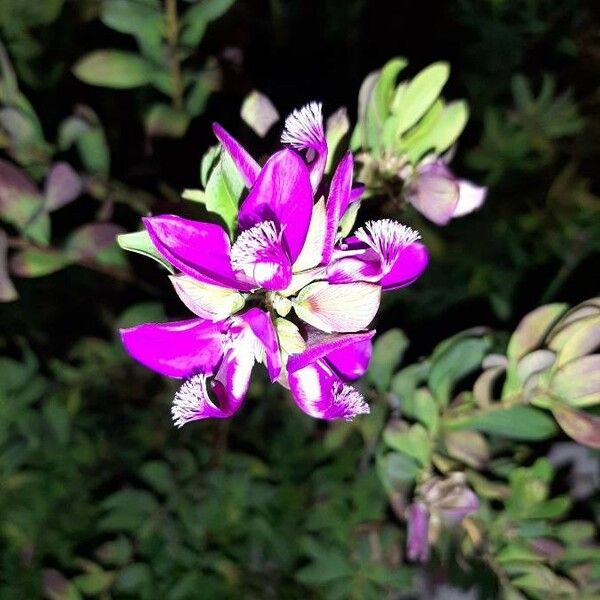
(291, 292)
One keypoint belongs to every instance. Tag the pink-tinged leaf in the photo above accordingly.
(578, 382)
(97, 241)
(179, 349)
(342, 308)
(585, 339)
(581, 426)
(20, 199)
(7, 289)
(246, 165)
(532, 329)
(259, 113)
(63, 185)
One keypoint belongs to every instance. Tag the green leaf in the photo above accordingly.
(93, 150)
(396, 470)
(420, 94)
(8, 291)
(37, 263)
(196, 18)
(143, 312)
(336, 128)
(116, 552)
(419, 405)
(163, 120)
(462, 356)
(141, 243)
(142, 18)
(94, 583)
(384, 89)
(414, 441)
(388, 350)
(158, 475)
(223, 191)
(136, 577)
(114, 69)
(516, 422)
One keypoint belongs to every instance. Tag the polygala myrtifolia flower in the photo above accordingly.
(440, 502)
(290, 292)
(440, 196)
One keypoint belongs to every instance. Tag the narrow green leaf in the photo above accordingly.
(114, 69)
(388, 350)
(420, 94)
(223, 192)
(140, 242)
(516, 422)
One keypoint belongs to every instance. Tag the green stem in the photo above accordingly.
(174, 64)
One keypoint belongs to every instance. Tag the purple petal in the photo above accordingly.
(320, 393)
(463, 503)
(408, 267)
(259, 258)
(470, 198)
(417, 546)
(179, 349)
(304, 131)
(355, 194)
(246, 165)
(200, 250)
(320, 345)
(347, 266)
(262, 327)
(282, 194)
(352, 361)
(337, 202)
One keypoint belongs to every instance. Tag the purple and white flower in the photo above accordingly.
(439, 196)
(289, 255)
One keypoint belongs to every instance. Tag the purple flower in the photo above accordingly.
(288, 256)
(438, 195)
(417, 545)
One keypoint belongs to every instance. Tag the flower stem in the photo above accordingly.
(174, 64)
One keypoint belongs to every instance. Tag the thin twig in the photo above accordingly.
(174, 64)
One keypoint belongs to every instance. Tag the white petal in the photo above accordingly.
(345, 307)
(470, 198)
(208, 301)
(312, 251)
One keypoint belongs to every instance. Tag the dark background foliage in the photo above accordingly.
(95, 483)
